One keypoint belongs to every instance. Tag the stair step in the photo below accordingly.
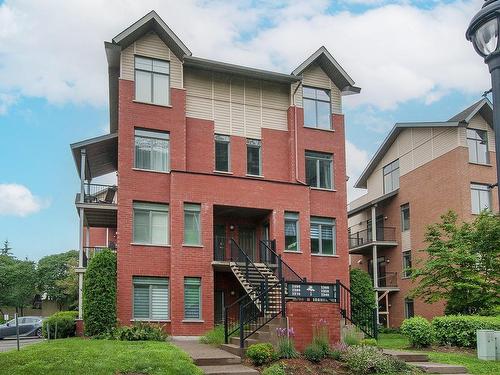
(234, 349)
(228, 370)
(408, 356)
(248, 342)
(217, 361)
(439, 368)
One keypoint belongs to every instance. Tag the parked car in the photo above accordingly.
(28, 326)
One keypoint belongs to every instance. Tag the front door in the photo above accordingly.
(220, 242)
(247, 241)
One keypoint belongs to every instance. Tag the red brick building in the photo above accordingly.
(215, 163)
(420, 171)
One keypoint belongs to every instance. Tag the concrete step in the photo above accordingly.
(439, 368)
(248, 342)
(228, 370)
(234, 349)
(408, 356)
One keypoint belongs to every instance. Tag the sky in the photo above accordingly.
(410, 58)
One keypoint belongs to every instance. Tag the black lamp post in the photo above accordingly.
(483, 33)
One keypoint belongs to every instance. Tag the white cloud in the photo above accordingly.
(356, 160)
(395, 52)
(17, 200)
(6, 100)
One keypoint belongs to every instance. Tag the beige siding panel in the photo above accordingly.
(375, 184)
(222, 117)
(252, 122)
(297, 100)
(198, 83)
(237, 90)
(422, 143)
(237, 119)
(421, 136)
(275, 95)
(444, 141)
(405, 164)
(127, 63)
(176, 72)
(357, 222)
(222, 86)
(391, 155)
(252, 92)
(405, 141)
(336, 99)
(462, 136)
(197, 107)
(274, 119)
(151, 45)
(316, 77)
(406, 240)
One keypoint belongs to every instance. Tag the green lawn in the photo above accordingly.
(470, 361)
(80, 356)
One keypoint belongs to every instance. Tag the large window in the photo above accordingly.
(151, 223)
(254, 157)
(222, 153)
(151, 298)
(391, 177)
(409, 308)
(323, 236)
(152, 150)
(480, 198)
(192, 225)
(477, 140)
(292, 231)
(405, 217)
(152, 80)
(192, 298)
(317, 108)
(406, 264)
(319, 170)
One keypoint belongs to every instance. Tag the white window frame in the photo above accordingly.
(406, 273)
(476, 188)
(316, 100)
(152, 73)
(156, 135)
(225, 139)
(405, 301)
(329, 222)
(255, 144)
(389, 170)
(152, 283)
(295, 217)
(477, 140)
(150, 208)
(405, 207)
(317, 157)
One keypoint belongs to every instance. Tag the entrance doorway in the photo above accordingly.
(247, 241)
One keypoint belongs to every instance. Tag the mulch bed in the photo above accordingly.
(301, 366)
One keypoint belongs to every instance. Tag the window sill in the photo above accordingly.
(325, 130)
(322, 189)
(192, 321)
(151, 320)
(223, 172)
(481, 164)
(254, 175)
(188, 245)
(292, 251)
(325, 255)
(147, 244)
(148, 103)
(150, 170)
(405, 277)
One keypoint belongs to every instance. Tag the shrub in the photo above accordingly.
(352, 339)
(286, 346)
(337, 351)
(2, 320)
(370, 360)
(314, 353)
(214, 337)
(63, 322)
(361, 286)
(368, 342)
(389, 330)
(460, 330)
(419, 331)
(99, 294)
(276, 369)
(260, 354)
(141, 331)
(321, 336)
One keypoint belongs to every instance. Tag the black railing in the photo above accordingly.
(89, 252)
(388, 280)
(358, 311)
(247, 266)
(365, 236)
(97, 193)
(276, 263)
(221, 246)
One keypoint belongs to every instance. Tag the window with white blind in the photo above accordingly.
(480, 198)
(152, 80)
(477, 141)
(192, 225)
(150, 223)
(152, 150)
(192, 298)
(323, 236)
(151, 298)
(292, 231)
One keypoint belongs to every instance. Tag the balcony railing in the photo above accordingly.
(388, 280)
(89, 252)
(364, 236)
(98, 193)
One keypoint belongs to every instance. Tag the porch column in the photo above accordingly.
(375, 258)
(83, 156)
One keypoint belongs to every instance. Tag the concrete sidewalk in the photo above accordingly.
(11, 344)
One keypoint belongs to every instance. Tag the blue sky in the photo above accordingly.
(410, 58)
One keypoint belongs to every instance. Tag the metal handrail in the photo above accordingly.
(99, 193)
(365, 236)
(247, 259)
(389, 279)
(281, 263)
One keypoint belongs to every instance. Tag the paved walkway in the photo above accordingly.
(213, 360)
(10, 344)
(421, 360)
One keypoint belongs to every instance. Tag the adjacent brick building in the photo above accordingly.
(211, 158)
(420, 171)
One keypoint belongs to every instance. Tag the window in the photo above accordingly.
(292, 231)
(323, 236)
(192, 226)
(406, 264)
(405, 217)
(409, 308)
(477, 140)
(319, 167)
(152, 80)
(151, 298)
(152, 150)
(317, 108)
(222, 153)
(391, 177)
(192, 298)
(151, 223)
(480, 198)
(254, 160)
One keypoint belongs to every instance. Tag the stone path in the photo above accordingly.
(421, 360)
(213, 360)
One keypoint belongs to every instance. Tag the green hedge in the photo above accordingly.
(460, 330)
(60, 325)
(419, 331)
(361, 285)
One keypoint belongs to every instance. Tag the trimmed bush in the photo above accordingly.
(260, 354)
(460, 330)
(99, 294)
(364, 360)
(314, 353)
(361, 285)
(141, 331)
(276, 369)
(214, 337)
(419, 331)
(368, 342)
(60, 325)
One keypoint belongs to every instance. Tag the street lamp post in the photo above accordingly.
(483, 33)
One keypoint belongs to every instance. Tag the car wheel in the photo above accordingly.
(39, 332)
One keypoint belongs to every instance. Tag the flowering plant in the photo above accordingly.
(321, 335)
(286, 346)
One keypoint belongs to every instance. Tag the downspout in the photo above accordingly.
(295, 124)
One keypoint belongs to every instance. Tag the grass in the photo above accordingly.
(214, 337)
(80, 356)
(456, 357)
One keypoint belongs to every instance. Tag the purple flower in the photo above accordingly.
(291, 332)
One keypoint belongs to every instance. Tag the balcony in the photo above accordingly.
(99, 204)
(90, 252)
(388, 280)
(360, 242)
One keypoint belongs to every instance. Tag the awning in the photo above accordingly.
(102, 155)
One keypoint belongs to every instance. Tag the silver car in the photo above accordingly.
(28, 326)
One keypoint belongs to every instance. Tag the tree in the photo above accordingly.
(5, 250)
(18, 282)
(99, 294)
(462, 266)
(362, 288)
(57, 278)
